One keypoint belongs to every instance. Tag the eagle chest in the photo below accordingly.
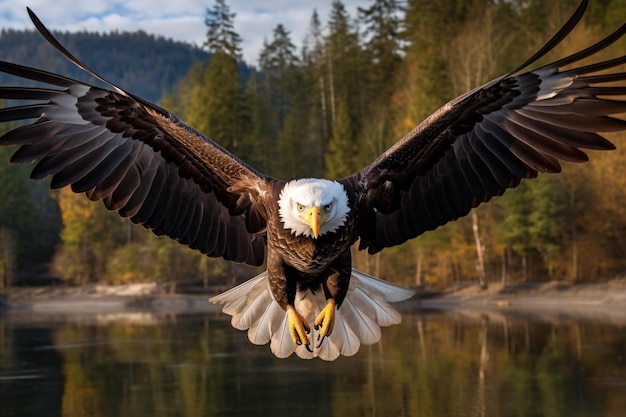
(306, 254)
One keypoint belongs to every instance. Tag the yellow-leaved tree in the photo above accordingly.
(89, 235)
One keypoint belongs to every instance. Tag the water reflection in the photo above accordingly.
(449, 363)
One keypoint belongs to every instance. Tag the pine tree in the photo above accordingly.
(315, 78)
(221, 35)
(342, 60)
(29, 221)
(341, 149)
(16, 213)
(258, 133)
(546, 223)
(531, 221)
(215, 99)
(383, 28)
(223, 103)
(429, 27)
(277, 60)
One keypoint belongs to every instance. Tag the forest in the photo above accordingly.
(327, 108)
(145, 64)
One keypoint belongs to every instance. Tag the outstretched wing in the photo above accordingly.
(488, 140)
(139, 159)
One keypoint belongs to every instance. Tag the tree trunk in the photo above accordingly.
(480, 251)
(503, 277)
(129, 232)
(418, 268)
(377, 265)
(7, 260)
(331, 86)
(572, 222)
(325, 123)
(574, 275)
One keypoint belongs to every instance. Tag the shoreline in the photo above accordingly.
(609, 297)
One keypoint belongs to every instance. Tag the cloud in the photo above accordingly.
(179, 19)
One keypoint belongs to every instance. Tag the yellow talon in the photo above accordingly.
(325, 321)
(298, 327)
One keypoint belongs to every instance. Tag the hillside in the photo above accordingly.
(143, 64)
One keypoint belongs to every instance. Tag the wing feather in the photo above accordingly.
(149, 205)
(489, 139)
(139, 159)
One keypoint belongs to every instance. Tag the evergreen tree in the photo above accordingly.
(349, 102)
(429, 28)
(195, 96)
(546, 223)
(315, 78)
(381, 25)
(383, 28)
(29, 222)
(312, 44)
(340, 156)
(257, 139)
(531, 221)
(16, 214)
(277, 60)
(343, 55)
(216, 99)
(221, 35)
(223, 102)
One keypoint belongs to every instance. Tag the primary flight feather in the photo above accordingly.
(151, 167)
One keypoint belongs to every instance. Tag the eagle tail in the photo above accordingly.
(364, 311)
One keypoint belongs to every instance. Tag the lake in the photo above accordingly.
(446, 362)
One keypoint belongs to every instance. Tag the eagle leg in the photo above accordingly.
(298, 328)
(325, 321)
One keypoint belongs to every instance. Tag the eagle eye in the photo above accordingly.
(327, 207)
(300, 207)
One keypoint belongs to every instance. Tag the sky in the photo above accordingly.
(181, 20)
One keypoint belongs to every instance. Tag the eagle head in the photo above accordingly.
(313, 207)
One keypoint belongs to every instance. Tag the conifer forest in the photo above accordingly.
(326, 109)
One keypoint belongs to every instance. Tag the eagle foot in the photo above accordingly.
(325, 321)
(298, 328)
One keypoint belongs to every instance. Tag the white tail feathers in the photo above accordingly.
(364, 311)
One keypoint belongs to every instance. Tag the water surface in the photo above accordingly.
(436, 363)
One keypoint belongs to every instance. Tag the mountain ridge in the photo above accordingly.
(145, 64)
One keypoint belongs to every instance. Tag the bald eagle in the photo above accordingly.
(151, 167)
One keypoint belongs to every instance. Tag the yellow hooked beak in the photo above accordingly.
(315, 219)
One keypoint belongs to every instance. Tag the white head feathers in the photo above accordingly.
(301, 195)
